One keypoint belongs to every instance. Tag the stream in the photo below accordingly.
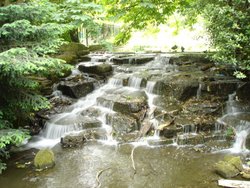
(170, 154)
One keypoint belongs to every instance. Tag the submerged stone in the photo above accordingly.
(44, 159)
(190, 139)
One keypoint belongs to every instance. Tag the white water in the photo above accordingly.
(189, 129)
(241, 127)
(134, 82)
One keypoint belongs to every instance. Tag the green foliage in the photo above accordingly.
(139, 14)
(32, 26)
(20, 95)
(227, 24)
(230, 132)
(10, 137)
(81, 13)
(27, 33)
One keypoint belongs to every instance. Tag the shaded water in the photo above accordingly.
(158, 167)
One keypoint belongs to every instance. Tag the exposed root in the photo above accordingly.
(98, 176)
(132, 158)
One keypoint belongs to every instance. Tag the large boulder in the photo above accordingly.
(102, 69)
(44, 159)
(229, 167)
(76, 89)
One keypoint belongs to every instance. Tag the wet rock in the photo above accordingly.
(101, 69)
(124, 102)
(126, 137)
(77, 139)
(122, 123)
(91, 112)
(120, 79)
(171, 131)
(222, 87)
(243, 92)
(190, 139)
(79, 122)
(99, 58)
(159, 142)
(76, 90)
(132, 60)
(229, 167)
(185, 59)
(44, 159)
(181, 85)
(73, 140)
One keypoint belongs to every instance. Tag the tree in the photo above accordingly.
(80, 13)
(27, 35)
(226, 23)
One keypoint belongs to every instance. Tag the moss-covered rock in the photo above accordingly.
(226, 170)
(44, 159)
(72, 52)
(230, 167)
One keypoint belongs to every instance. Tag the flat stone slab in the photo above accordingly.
(102, 69)
(124, 101)
(76, 89)
(132, 60)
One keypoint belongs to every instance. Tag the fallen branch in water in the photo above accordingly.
(98, 176)
(132, 158)
(162, 126)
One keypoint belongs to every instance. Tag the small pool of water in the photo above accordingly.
(98, 165)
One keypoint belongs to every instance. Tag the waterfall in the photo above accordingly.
(150, 86)
(240, 124)
(134, 82)
(189, 129)
(240, 142)
(116, 82)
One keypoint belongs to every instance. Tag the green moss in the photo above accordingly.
(44, 159)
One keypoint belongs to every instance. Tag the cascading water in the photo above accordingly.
(237, 117)
(134, 82)
(149, 91)
(73, 120)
